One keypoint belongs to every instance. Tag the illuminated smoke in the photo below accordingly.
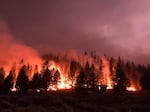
(15, 53)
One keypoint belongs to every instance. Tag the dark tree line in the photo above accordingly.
(87, 77)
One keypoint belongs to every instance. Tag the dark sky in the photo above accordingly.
(113, 27)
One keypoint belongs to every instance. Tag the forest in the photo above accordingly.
(87, 73)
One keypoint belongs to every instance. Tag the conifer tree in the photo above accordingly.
(22, 80)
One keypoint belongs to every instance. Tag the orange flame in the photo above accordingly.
(131, 88)
(106, 78)
(64, 82)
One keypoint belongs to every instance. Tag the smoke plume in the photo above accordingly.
(13, 52)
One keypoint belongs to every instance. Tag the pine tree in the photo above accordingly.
(47, 77)
(22, 80)
(120, 78)
(56, 77)
(92, 78)
(8, 82)
(36, 81)
(81, 80)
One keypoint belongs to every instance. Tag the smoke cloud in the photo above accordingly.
(13, 52)
(116, 28)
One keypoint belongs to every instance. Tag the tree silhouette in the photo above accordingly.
(93, 54)
(47, 77)
(8, 82)
(145, 80)
(87, 72)
(92, 78)
(81, 80)
(2, 73)
(120, 78)
(22, 80)
(56, 77)
(74, 68)
(36, 82)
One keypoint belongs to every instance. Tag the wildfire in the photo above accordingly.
(102, 70)
(63, 82)
(19, 54)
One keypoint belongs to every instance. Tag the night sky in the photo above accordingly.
(112, 27)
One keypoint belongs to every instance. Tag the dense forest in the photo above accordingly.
(90, 72)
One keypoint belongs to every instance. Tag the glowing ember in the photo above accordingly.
(13, 88)
(52, 88)
(131, 89)
(109, 86)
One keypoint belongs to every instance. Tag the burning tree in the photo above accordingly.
(65, 72)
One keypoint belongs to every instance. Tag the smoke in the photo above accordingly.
(13, 52)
